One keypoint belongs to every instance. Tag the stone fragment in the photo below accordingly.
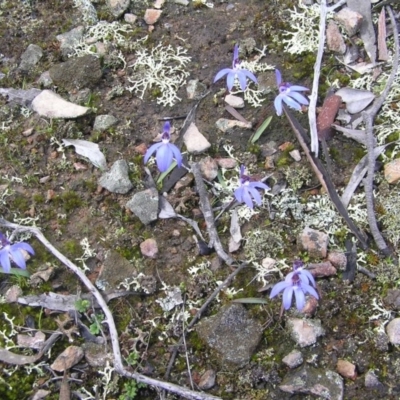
(77, 73)
(67, 359)
(295, 154)
(20, 96)
(41, 394)
(227, 163)
(116, 180)
(151, 16)
(350, 20)
(208, 168)
(104, 122)
(304, 331)
(96, 354)
(195, 89)
(392, 171)
(130, 18)
(69, 39)
(44, 80)
(269, 162)
(338, 260)
(13, 293)
(315, 242)
(32, 342)
(234, 101)
(227, 125)
(194, 141)
(144, 205)
(371, 380)
(381, 341)
(51, 105)
(334, 38)
(117, 7)
(30, 57)
(320, 270)
(293, 359)
(324, 384)
(346, 369)
(159, 3)
(393, 331)
(232, 333)
(149, 248)
(207, 380)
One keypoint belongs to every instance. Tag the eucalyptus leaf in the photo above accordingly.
(260, 130)
(89, 150)
(18, 272)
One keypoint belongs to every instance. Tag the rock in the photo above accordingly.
(116, 180)
(232, 333)
(51, 105)
(77, 73)
(320, 270)
(304, 331)
(392, 171)
(207, 380)
(194, 141)
(392, 299)
(227, 125)
(195, 89)
(338, 260)
(96, 354)
(20, 96)
(269, 162)
(149, 248)
(371, 380)
(393, 331)
(324, 384)
(295, 154)
(145, 205)
(159, 3)
(315, 242)
(334, 38)
(130, 18)
(346, 369)
(67, 359)
(227, 163)
(104, 122)
(30, 57)
(69, 39)
(13, 293)
(80, 96)
(151, 16)
(32, 342)
(293, 359)
(381, 341)
(268, 149)
(44, 80)
(181, 2)
(350, 20)
(41, 394)
(208, 168)
(115, 269)
(117, 7)
(234, 101)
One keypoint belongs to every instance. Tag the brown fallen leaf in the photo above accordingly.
(382, 48)
(327, 116)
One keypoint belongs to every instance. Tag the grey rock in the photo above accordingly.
(117, 7)
(195, 89)
(96, 355)
(45, 80)
(228, 125)
(304, 331)
(117, 179)
(234, 101)
(51, 105)
(325, 384)
(334, 38)
(194, 140)
(104, 122)
(349, 19)
(208, 168)
(233, 334)
(392, 299)
(81, 96)
(130, 18)
(371, 380)
(77, 73)
(115, 270)
(67, 359)
(145, 205)
(293, 359)
(207, 380)
(20, 96)
(69, 39)
(315, 242)
(149, 248)
(381, 341)
(30, 57)
(393, 331)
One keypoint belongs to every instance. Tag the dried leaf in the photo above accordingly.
(382, 48)
(89, 150)
(250, 300)
(356, 100)
(327, 115)
(235, 227)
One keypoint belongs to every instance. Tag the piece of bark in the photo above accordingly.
(382, 48)
(327, 116)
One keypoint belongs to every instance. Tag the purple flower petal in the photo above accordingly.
(18, 257)
(308, 275)
(300, 298)
(247, 197)
(287, 297)
(222, 73)
(25, 246)
(278, 288)
(278, 76)
(235, 54)
(291, 103)
(239, 194)
(230, 80)
(259, 185)
(5, 260)
(310, 289)
(299, 88)
(177, 154)
(249, 75)
(298, 97)
(150, 151)
(242, 80)
(167, 127)
(255, 194)
(278, 105)
(164, 157)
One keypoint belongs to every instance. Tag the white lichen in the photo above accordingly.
(163, 68)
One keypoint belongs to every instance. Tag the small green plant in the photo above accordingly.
(95, 327)
(130, 390)
(133, 358)
(82, 305)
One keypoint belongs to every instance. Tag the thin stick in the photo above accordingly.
(224, 284)
(118, 365)
(369, 117)
(208, 215)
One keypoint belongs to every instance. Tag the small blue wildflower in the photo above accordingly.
(300, 282)
(13, 251)
(236, 72)
(247, 191)
(289, 94)
(165, 151)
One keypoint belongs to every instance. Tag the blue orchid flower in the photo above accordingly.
(289, 94)
(165, 151)
(248, 190)
(236, 72)
(12, 252)
(300, 282)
